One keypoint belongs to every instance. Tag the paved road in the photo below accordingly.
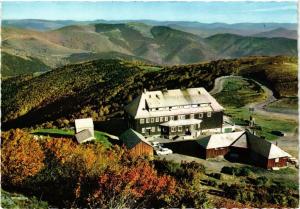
(259, 107)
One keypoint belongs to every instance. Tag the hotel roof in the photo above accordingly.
(159, 103)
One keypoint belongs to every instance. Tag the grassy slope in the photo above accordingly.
(99, 88)
(245, 92)
(100, 136)
(239, 92)
(288, 103)
(266, 123)
(18, 201)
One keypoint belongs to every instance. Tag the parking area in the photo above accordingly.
(212, 165)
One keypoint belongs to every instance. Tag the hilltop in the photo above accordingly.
(159, 44)
(101, 88)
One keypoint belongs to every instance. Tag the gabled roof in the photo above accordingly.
(243, 139)
(219, 140)
(264, 147)
(131, 138)
(84, 136)
(241, 142)
(176, 97)
(84, 123)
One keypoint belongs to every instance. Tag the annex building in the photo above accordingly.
(176, 112)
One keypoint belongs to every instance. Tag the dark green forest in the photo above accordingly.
(101, 88)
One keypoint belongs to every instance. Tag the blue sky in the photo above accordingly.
(206, 12)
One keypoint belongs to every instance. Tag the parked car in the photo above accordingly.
(277, 133)
(164, 151)
(156, 145)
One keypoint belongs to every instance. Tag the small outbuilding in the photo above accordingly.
(265, 154)
(84, 136)
(83, 124)
(136, 143)
(217, 144)
(244, 146)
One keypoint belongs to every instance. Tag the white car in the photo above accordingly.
(156, 145)
(164, 151)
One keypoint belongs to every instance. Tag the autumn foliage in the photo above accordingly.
(21, 157)
(80, 175)
(121, 188)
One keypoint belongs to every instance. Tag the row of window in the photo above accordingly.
(173, 129)
(179, 107)
(151, 129)
(167, 118)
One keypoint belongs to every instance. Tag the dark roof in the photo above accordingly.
(131, 138)
(264, 147)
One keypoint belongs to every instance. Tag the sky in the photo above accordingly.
(205, 12)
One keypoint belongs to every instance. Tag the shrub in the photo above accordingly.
(212, 183)
(216, 175)
(261, 181)
(244, 171)
(22, 157)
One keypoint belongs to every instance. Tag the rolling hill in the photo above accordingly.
(278, 32)
(101, 88)
(229, 46)
(133, 41)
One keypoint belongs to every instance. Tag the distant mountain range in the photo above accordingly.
(203, 29)
(47, 44)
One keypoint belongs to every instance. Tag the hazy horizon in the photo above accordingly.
(202, 12)
(137, 20)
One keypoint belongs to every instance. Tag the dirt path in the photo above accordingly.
(259, 107)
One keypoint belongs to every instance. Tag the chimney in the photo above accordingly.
(145, 90)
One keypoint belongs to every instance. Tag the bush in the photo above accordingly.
(216, 175)
(261, 181)
(212, 183)
(244, 171)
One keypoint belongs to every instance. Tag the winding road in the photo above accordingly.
(259, 107)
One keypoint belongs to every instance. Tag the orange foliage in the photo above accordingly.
(21, 157)
(138, 181)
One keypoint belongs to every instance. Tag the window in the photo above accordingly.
(143, 130)
(166, 118)
(142, 121)
(179, 128)
(152, 120)
(194, 105)
(161, 119)
(182, 117)
(173, 129)
(153, 129)
(200, 115)
(276, 160)
(157, 119)
(147, 120)
(171, 117)
(192, 116)
(209, 114)
(164, 130)
(158, 128)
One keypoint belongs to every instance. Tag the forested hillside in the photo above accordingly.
(101, 88)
